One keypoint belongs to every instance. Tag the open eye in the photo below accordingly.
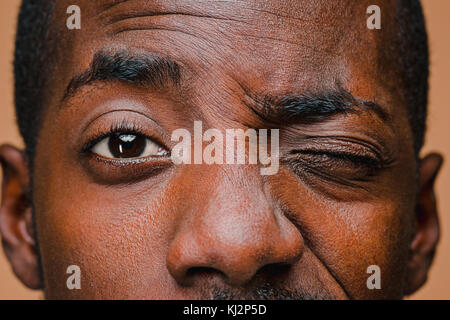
(127, 146)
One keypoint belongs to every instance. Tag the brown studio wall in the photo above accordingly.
(438, 20)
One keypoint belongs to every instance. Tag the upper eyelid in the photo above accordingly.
(334, 153)
(344, 144)
(343, 153)
(343, 156)
(346, 140)
(119, 110)
(127, 117)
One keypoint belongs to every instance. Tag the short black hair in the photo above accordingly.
(34, 59)
(413, 61)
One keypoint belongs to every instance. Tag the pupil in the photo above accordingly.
(126, 145)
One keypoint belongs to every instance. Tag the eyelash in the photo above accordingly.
(354, 158)
(326, 164)
(122, 127)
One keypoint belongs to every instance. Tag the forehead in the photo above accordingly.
(276, 47)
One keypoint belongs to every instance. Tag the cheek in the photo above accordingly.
(349, 236)
(116, 235)
(365, 234)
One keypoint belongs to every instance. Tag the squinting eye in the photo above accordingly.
(128, 146)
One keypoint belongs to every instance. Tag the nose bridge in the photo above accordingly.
(234, 229)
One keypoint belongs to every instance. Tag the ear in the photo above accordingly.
(423, 245)
(16, 221)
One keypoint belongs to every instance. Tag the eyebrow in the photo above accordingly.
(313, 107)
(143, 70)
(156, 71)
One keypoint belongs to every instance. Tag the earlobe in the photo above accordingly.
(16, 221)
(426, 238)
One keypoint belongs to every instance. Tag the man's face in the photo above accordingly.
(344, 197)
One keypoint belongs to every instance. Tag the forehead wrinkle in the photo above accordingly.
(133, 10)
(287, 21)
(111, 4)
(242, 11)
(131, 16)
(150, 8)
(311, 42)
(142, 14)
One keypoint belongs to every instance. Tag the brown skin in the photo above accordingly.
(190, 231)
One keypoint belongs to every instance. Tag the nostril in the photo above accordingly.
(204, 272)
(274, 270)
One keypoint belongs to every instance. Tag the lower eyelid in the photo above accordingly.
(120, 171)
(330, 167)
(317, 177)
(120, 162)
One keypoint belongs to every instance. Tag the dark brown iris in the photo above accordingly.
(126, 145)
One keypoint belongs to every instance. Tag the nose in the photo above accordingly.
(232, 229)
